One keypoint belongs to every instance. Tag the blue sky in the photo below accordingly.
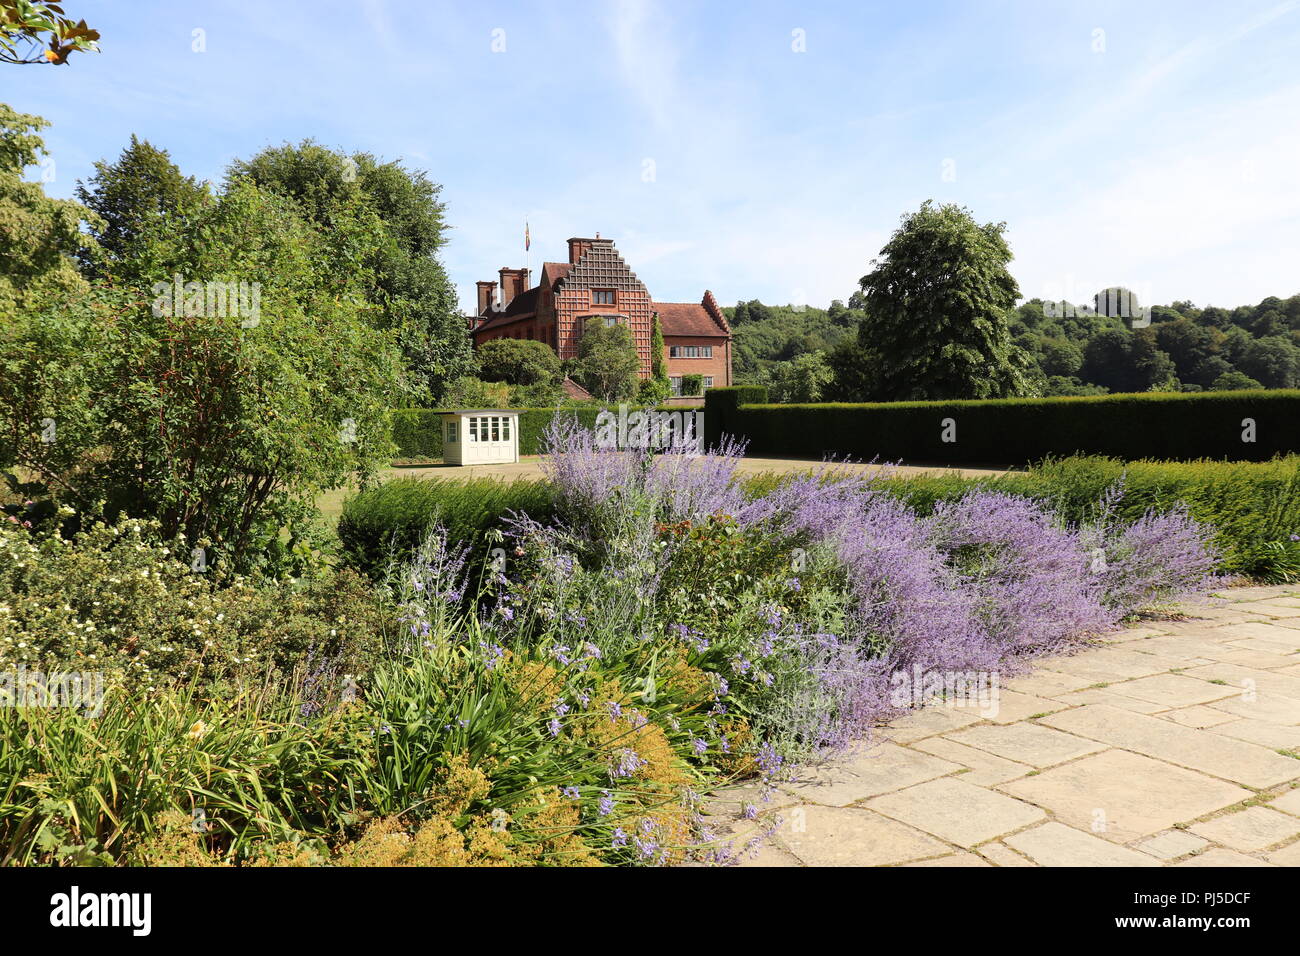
(1152, 144)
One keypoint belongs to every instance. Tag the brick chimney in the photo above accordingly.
(578, 248)
(514, 282)
(486, 292)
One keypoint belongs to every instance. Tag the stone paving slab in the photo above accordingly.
(1054, 844)
(1026, 742)
(1288, 802)
(1172, 844)
(1124, 796)
(1237, 761)
(1273, 736)
(982, 768)
(1168, 743)
(1217, 857)
(959, 812)
(880, 770)
(1254, 828)
(850, 836)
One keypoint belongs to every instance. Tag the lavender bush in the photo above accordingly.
(802, 603)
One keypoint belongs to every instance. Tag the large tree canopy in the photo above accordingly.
(936, 302)
(402, 223)
(140, 192)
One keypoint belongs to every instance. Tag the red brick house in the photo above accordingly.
(596, 285)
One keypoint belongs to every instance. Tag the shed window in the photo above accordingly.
(451, 430)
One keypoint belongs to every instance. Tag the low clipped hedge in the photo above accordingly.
(390, 520)
(1016, 432)
(1248, 504)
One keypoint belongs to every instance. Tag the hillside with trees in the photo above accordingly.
(909, 334)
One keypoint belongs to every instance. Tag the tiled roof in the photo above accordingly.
(553, 272)
(692, 318)
(574, 390)
(521, 306)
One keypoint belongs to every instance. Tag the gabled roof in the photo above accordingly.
(553, 272)
(521, 307)
(692, 318)
(574, 390)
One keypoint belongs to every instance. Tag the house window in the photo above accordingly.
(708, 381)
(602, 296)
(610, 321)
(690, 351)
(451, 431)
(675, 383)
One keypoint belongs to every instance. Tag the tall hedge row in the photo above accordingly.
(418, 431)
(1250, 425)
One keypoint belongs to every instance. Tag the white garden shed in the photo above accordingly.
(480, 436)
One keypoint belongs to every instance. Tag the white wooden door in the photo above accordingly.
(491, 439)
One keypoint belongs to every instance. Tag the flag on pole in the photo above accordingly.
(527, 240)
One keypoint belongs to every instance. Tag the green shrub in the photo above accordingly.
(417, 432)
(392, 519)
(1177, 427)
(115, 600)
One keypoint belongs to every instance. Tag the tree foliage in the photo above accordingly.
(608, 365)
(40, 237)
(221, 424)
(142, 192)
(32, 32)
(519, 362)
(401, 222)
(936, 304)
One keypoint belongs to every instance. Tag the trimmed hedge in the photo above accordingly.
(720, 405)
(391, 519)
(417, 432)
(1015, 432)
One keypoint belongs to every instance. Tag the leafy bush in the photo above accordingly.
(454, 751)
(518, 362)
(113, 599)
(225, 434)
(822, 588)
(1020, 431)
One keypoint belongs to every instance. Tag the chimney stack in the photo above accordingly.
(514, 282)
(577, 249)
(486, 292)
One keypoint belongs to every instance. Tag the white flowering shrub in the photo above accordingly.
(115, 599)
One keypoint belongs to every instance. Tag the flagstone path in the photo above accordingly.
(1171, 743)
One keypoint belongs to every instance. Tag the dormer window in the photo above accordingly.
(602, 296)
